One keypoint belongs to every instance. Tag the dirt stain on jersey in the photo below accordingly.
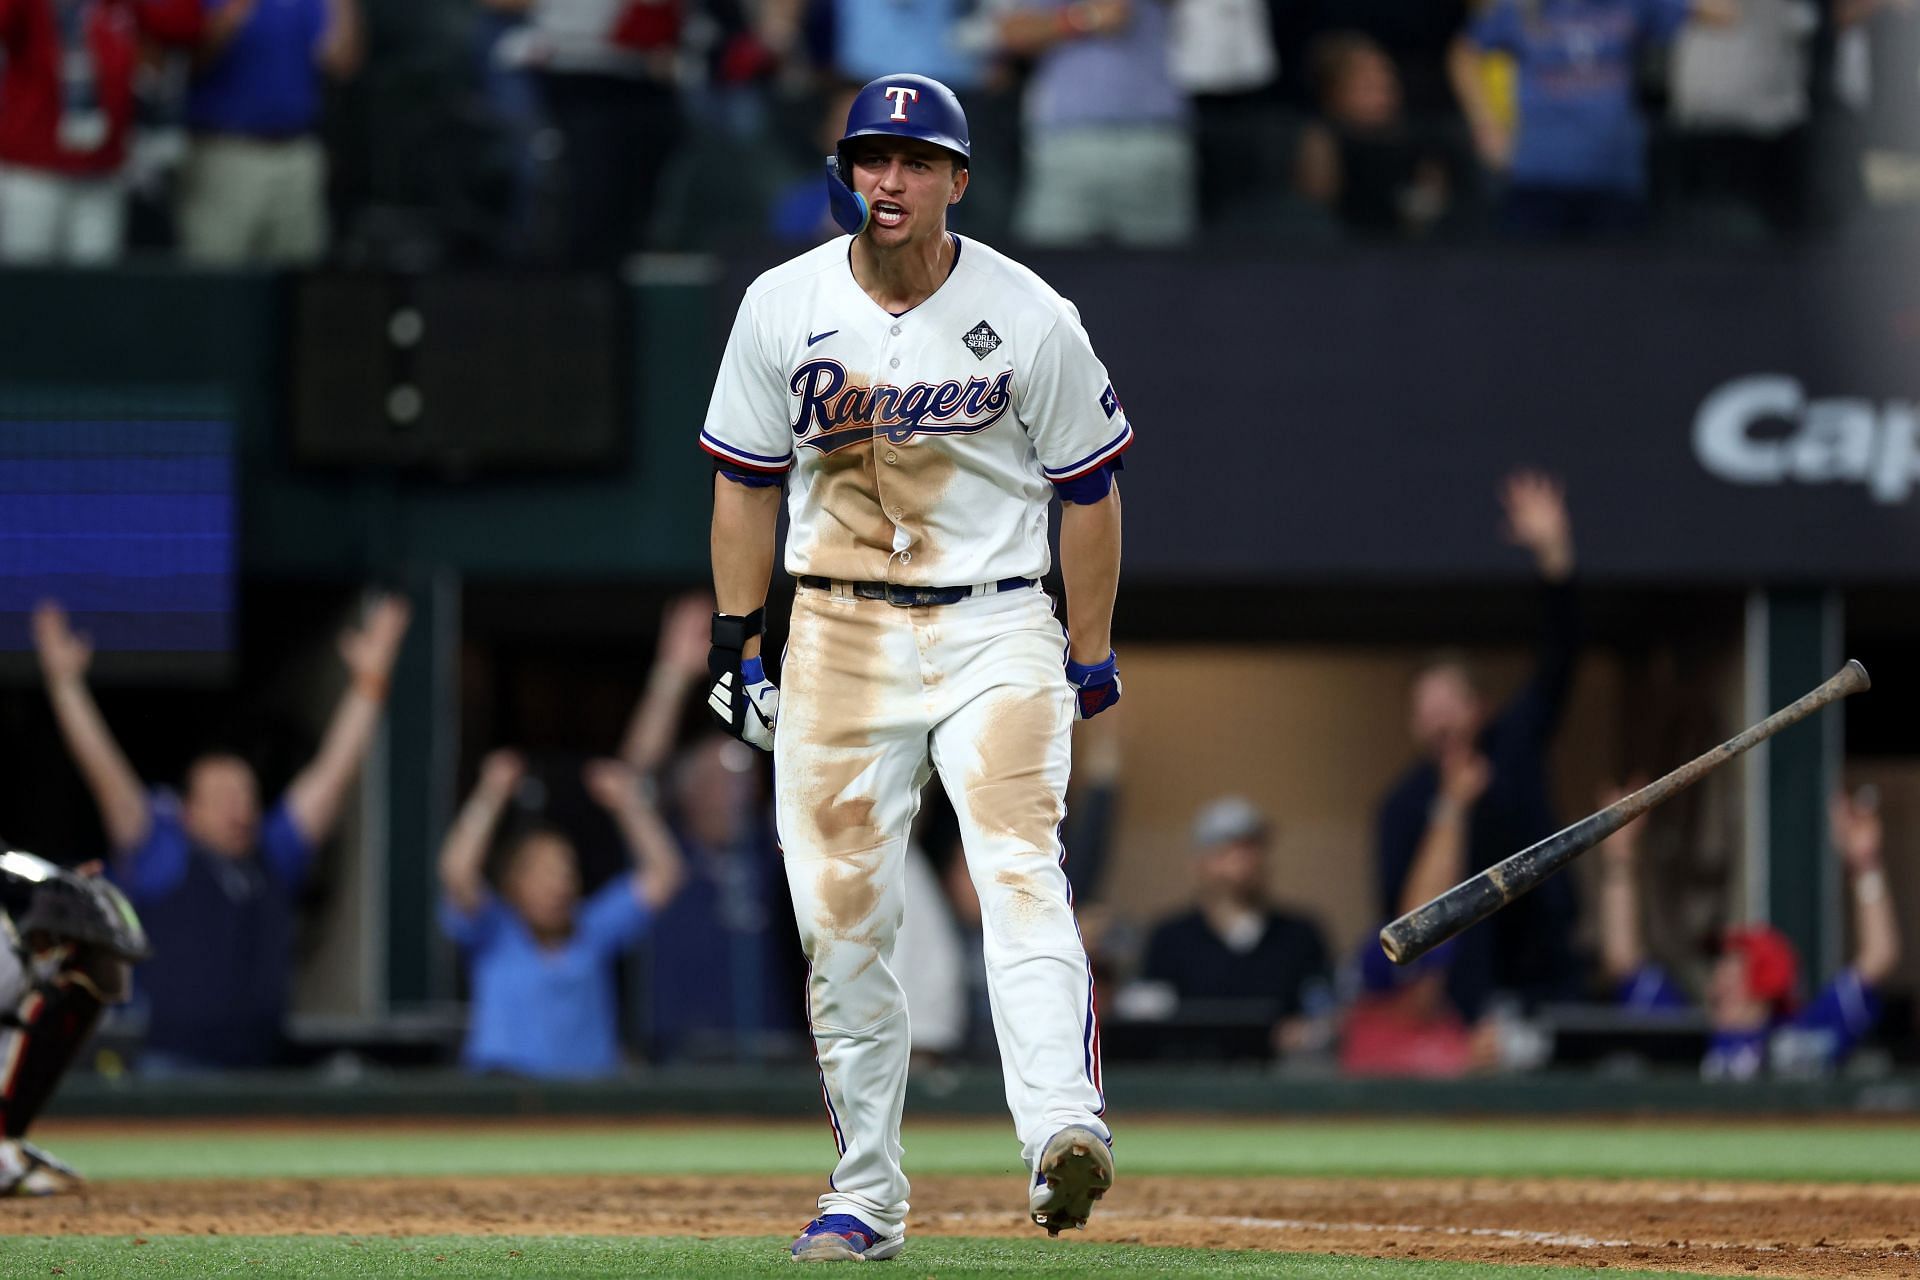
(855, 538)
(1010, 790)
(915, 485)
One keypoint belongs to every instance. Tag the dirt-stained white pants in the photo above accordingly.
(872, 696)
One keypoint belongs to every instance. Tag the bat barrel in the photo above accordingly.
(1426, 927)
(1473, 900)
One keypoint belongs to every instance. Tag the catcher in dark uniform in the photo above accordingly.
(68, 944)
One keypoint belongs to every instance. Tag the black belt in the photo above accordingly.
(914, 597)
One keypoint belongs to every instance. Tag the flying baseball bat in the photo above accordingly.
(1470, 902)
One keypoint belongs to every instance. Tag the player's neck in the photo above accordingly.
(901, 277)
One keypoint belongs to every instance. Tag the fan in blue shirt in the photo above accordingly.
(214, 878)
(1751, 995)
(1577, 164)
(542, 957)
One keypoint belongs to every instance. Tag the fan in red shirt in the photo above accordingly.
(66, 110)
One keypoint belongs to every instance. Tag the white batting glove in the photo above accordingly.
(747, 703)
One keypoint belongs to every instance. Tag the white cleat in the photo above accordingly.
(1075, 1169)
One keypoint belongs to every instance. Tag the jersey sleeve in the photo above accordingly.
(614, 918)
(747, 422)
(154, 867)
(1067, 402)
(1845, 1011)
(1651, 989)
(287, 850)
(476, 930)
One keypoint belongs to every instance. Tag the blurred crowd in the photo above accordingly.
(578, 132)
(681, 948)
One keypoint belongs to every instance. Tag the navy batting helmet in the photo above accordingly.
(902, 106)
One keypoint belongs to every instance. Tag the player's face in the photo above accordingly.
(221, 812)
(544, 884)
(908, 185)
(1444, 711)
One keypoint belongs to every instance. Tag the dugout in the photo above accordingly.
(1310, 511)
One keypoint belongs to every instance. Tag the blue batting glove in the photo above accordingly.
(1096, 687)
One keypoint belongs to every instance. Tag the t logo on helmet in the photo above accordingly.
(901, 95)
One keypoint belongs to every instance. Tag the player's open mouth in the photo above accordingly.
(888, 214)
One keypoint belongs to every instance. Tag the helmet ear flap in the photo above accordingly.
(849, 207)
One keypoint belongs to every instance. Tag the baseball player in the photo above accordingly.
(68, 944)
(923, 398)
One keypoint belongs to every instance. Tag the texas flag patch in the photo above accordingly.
(1109, 401)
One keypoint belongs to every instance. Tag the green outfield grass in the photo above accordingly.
(1888, 1152)
(457, 1258)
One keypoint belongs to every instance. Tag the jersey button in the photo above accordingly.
(897, 512)
(895, 362)
(895, 331)
(906, 557)
(892, 457)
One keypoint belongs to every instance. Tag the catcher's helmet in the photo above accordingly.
(902, 106)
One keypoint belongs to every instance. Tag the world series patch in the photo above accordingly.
(981, 340)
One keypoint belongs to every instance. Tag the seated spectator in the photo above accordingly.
(1222, 56)
(1362, 159)
(800, 214)
(1415, 34)
(606, 70)
(1262, 965)
(1479, 790)
(66, 114)
(254, 187)
(1739, 97)
(1401, 1023)
(1577, 166)
(215, 884)
(1109, 153)
(1752, 996)
(1867, 109)
(948, 40)
(724, 967)
(542, 959)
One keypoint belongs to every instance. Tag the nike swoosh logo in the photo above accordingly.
(821, 337)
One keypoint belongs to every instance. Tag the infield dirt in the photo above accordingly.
(1723, 1228)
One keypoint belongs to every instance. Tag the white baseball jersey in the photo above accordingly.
(923, 446)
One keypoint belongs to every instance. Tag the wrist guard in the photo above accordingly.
(729, 637)
(741, 697)
(1096, 687)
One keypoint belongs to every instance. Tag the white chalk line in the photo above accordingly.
(1420, 1228)
(1409, 1228)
